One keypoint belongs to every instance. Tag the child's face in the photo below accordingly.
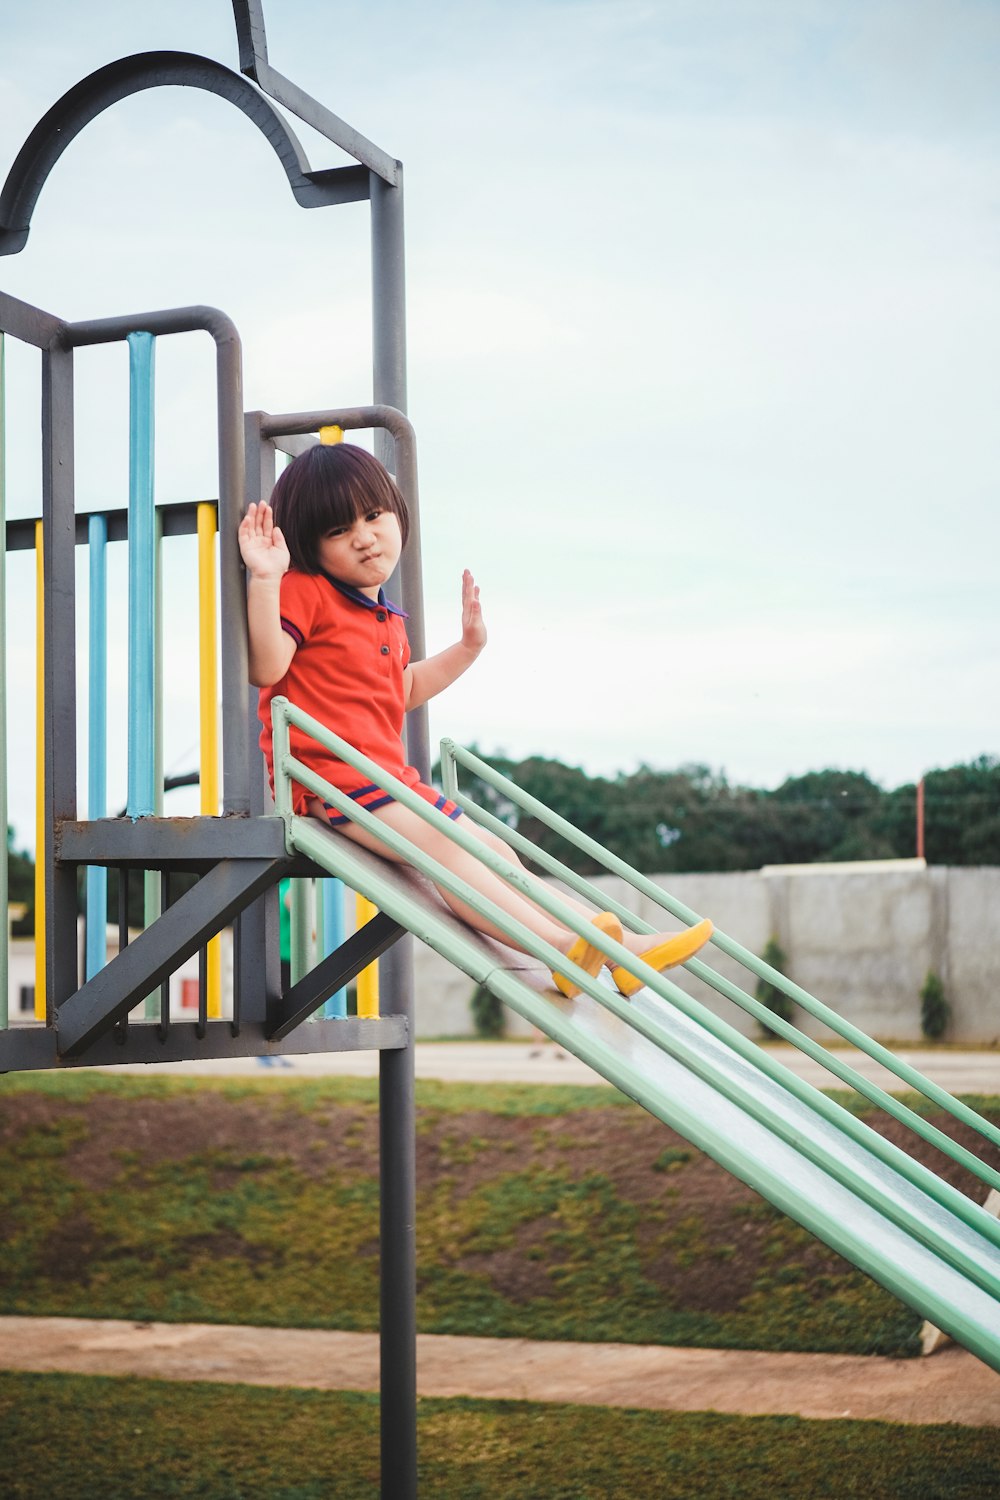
(364, 553)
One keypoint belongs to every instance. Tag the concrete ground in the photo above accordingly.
(949, 1386)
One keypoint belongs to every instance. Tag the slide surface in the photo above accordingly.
(941, 1265)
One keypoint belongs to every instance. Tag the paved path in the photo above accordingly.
(950, 1386)
(521, 1062)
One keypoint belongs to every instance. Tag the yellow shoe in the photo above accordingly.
(676, 950)
(586, 955)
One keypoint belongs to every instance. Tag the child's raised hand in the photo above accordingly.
(262, 546)
(473, 625)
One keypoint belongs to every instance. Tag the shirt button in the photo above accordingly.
(380, 614)
(385, 650)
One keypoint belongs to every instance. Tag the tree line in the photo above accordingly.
(694, 819)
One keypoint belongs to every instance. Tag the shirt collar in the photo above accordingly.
(359, 598)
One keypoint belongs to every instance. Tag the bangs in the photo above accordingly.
(342, 507)
(327, 486)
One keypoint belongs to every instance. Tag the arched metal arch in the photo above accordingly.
(132, 75)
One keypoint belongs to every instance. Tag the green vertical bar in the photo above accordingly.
(302, 929)
(151, 878)
(4, 887)
(320, 928)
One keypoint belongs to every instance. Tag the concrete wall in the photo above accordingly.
(860, 937)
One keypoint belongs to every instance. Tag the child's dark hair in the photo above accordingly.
(331, 485)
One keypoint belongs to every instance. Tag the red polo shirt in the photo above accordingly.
(347, 671)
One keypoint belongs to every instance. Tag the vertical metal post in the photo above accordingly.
(333, 927)
(97, 756)
(302, 926)
(145, 673)
(41, 1001)
(388, 304)
(236, 760)
(59, 549)
(397, 1112)
(257, 962)
(4, 876)
(152, 903)
(208, 720)
(410, 589)
(141, 580)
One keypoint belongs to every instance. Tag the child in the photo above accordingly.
(323, 634)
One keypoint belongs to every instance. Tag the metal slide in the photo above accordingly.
(930, 1256)
(904, 1225)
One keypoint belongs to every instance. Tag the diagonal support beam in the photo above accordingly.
(337, 969)
(157, 952)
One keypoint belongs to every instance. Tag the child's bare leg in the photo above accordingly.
(636, 942)
(468, 868)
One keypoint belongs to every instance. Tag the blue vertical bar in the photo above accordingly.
(141, 581)
(97, 756)
(333, 935)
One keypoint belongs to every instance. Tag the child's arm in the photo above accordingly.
(424, 679)
(266, 558)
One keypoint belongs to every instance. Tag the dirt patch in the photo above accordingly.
(559, 1211)
(938, 1161)
(71, 1249)
(517, 1273)
(118, 1134)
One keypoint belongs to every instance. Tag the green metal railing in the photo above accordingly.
(453, 755)
(973, 1256)
(311, 840)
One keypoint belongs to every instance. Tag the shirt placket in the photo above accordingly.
(383, 639)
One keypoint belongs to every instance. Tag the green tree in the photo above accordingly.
(935, 1012)
(962, 813)
(692, 819)
(488, 1014)
(833, 815)
(768, 993)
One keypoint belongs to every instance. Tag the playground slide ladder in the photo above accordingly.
(928, 1243)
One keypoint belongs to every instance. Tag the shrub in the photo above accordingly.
(767, 993)
(935, 1012)
(487, 1013)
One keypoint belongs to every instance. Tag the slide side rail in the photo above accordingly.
(289, 768)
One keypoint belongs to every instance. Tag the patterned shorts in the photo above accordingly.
(372, 796)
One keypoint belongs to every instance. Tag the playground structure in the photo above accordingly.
(927, 1242)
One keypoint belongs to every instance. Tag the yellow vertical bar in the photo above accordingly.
(208, 719)
(368, 978)
(39, 776)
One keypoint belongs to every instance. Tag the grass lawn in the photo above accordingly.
(543, 1213)
(83, 1438)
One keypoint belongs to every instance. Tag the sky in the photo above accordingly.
(704, 352)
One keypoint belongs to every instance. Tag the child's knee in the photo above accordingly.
(496, 843)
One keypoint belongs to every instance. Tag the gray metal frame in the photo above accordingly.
(241, 856)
